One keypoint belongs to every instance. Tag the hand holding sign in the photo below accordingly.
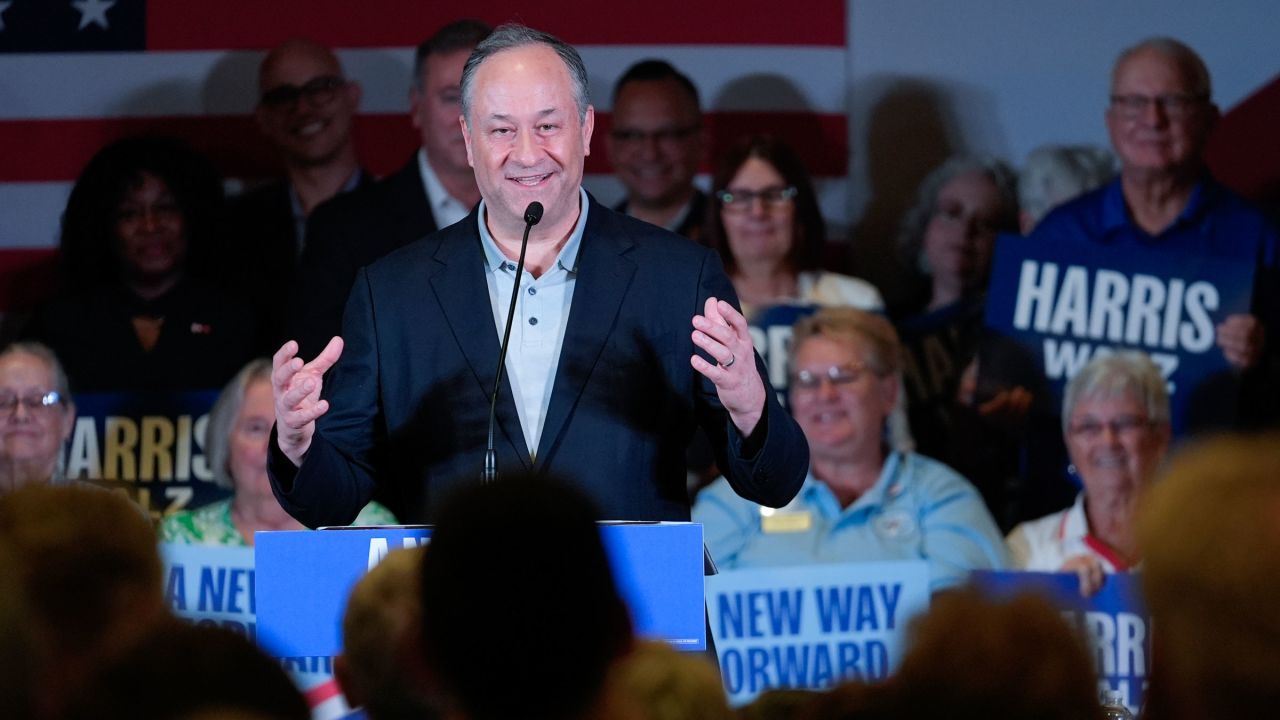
(1240, 337)
(295, 387)
(1090, 572)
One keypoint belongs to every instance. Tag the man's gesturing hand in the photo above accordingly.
(723, 333)
(295, 388)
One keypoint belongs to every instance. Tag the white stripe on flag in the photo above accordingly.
(31, 213)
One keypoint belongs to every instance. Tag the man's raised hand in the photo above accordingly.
(723, 333)
(295, 388)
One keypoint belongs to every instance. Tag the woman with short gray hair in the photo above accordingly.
(236, 443)
(1115, 420)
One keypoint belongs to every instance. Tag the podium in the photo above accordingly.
(304, 577)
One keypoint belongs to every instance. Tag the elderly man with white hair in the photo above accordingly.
(1164, 201)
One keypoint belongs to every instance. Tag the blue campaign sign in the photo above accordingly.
(213, 585)
(1114, 623)
(812, 626)
(149, 444)
(304, 579)
(771, 334)
(1064, 302)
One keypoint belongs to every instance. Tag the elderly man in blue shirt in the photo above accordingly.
(1164, 200)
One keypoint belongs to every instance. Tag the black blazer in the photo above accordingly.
(262, 253)
(345, 234)
(409, 397)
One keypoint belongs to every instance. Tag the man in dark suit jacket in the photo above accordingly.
(613, 404)
(656, 145)
(306, 108)
(435, 188)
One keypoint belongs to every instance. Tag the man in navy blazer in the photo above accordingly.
(435, 188)
(608, 404)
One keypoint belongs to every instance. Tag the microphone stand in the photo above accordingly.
(532, 214)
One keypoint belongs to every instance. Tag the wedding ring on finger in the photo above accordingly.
(732, 360)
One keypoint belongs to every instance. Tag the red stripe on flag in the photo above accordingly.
(56, 150)
(251, 24)
(28, 277)
(1243, 152)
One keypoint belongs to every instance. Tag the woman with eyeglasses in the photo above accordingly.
(36, 416)
(948, 237)
(868, 496)
(1115, 420)
(236, 443)
(767, 227)
(139, 310)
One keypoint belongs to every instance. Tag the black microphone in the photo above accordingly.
(532, 215)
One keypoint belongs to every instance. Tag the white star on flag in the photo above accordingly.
(93, 12)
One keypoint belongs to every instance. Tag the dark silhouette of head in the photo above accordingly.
(521, 617)
(182, 671)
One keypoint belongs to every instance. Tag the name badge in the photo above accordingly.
(786, 522)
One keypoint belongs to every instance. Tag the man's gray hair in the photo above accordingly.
(1188, 60)
(1126, 374)
(512, 36)
(222, 419)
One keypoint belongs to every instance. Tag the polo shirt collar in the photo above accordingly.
(568, 257)
(1115, 212)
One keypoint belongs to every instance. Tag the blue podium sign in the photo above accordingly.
(812, 626)
(1065, 302)
(304, 578)
(1114, 623)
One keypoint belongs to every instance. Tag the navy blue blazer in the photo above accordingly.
(345, 234)
(409, 397)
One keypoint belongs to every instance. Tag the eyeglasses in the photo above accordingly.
(317, 91)
(33, 402)
(1173, 105)
(1123, 426)
(953, 212)
(742, 200)
(808, 381)
(664, 136)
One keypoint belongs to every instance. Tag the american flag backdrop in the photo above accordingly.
(76, 74)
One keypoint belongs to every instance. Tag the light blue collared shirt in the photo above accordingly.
(542, 314)
(918, 509)
(445, 208)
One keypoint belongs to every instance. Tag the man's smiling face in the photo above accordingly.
(525, 139)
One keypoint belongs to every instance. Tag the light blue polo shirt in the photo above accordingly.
(917, 509)
(542, 314)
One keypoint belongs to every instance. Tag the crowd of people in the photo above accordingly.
(635, 379)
